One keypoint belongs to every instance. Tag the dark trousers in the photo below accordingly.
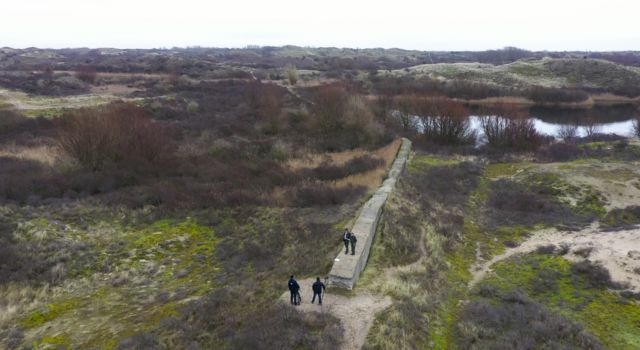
(353, 248)
(319, 294)
(295, 297)
(346, 246)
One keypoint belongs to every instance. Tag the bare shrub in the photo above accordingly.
(568, 132)
(343, 121)
(636, 126)
(87, 74)
(445, 121)
(517, 133)
(266, 101)
(114, 135)
(591, 127)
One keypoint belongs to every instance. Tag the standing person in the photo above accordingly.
(294, 289)
(353, 240)
(318, 287)
(346, 238)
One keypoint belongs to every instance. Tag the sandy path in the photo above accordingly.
(356, 313)
(618, 251)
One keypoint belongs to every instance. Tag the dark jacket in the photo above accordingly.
(318, 287)
(353, 238)
(293, 285)
(346, 236)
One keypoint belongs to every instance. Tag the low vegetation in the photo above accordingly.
(160, 198)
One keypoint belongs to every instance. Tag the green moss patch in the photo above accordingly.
(418, 163)
(552, 281)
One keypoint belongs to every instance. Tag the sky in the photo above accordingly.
(424, 25)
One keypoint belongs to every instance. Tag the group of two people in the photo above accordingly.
(349, 237)
(294, 288)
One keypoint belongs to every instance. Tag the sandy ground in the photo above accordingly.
(356, 313)
(618, 251)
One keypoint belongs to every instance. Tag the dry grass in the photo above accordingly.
(370, 179)
(388, 153)
(47, 155)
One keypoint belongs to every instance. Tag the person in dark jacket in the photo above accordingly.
(317, 287)
(294, 289)
(346, 238)
(353, 240)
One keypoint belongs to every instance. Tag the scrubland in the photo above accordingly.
(160, 199)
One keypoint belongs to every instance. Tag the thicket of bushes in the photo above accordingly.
(118, 135)
(516, 322)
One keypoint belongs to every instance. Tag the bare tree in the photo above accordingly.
(568, 132)
(636, 126)
(592, 127)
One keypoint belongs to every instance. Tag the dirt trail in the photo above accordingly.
(618, 251)
(356, 313)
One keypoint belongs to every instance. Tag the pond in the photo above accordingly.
(610, 120)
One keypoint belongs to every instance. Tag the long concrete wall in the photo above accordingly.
(346, 267)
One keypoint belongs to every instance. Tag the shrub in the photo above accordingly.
(553, 95)
(266, 101)
(444, 121)
(114, 135)
(517, 133)
(546, 249)
(591, 127)
(291, 73)
(596, 275)
(87, 74)
(559, 152)
(342, 121)
(568, 132)
(513, 321)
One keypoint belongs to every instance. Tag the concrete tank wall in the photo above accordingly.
(346, 267)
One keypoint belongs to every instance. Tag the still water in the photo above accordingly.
(611, 120)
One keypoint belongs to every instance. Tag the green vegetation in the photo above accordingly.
(550, 280)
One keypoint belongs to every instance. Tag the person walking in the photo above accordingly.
(346, 238)
(318, 287)
(353, 240)
(294, 289)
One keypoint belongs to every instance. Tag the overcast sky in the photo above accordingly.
(425, 25)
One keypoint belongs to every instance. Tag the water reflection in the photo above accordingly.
(611, 120)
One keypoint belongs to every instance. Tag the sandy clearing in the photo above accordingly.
(618, 251)
(356, 313)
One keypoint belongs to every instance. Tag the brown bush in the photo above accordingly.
(516, 133)
(266, 101)
(541, 94)
(559, 152)
(114, 135)
(87, 74)
(444, 121)
(343, 121)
